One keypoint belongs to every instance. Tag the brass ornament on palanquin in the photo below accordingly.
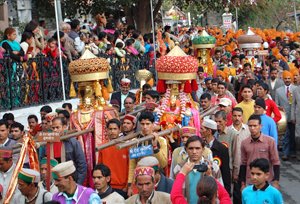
(250, 40)
(89, 68)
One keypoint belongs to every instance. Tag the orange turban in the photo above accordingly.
(221, 73)
(286, 73)
(295, 72)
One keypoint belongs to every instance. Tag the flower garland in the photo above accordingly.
(183, 100)
(165, 102)
(163, 106)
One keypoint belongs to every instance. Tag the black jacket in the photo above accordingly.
(221, 151)
(75, 153)
(117, 96)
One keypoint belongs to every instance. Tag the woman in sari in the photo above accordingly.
(16, 53)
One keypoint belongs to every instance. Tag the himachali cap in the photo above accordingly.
(51, 116)
(131, 118)
(141, 171)
(208, 123)
(149, 161)
(6, 152)
(29, 175)
(187, 130)
(125, 82)
(225, 102)
(63, 169)
(53, 162)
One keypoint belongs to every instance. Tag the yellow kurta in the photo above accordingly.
(248, 109)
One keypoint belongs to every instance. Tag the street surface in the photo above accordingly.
(290, 181)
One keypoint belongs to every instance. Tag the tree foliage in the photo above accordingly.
(136, 11)
(268, 14)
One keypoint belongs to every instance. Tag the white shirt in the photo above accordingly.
(5, 178)
(4, 143)
(273, 83)
(210, 144)
(24, 46)
(123, 97)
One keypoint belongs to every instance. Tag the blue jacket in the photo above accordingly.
(269, 127)
(165, 184)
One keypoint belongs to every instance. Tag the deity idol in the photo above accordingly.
(177, 74)
(93, 111)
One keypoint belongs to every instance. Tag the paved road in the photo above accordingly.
(290, 181)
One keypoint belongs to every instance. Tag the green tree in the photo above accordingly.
(268, 14)
(136, 11)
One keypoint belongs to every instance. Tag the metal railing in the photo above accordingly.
(38, 81)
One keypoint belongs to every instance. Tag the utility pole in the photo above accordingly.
(295, 14)
(59, 13)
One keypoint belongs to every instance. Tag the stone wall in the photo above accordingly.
(3, 16)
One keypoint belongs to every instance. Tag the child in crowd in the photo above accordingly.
(26, 44)
(261, 191)
(119, 49)
(129, 47)
(51, 50)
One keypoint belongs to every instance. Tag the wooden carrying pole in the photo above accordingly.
(140, 106)
(19, 145)
(133, 112)
(209, 111)
(117, 141)
(146, 138)
(62, 138)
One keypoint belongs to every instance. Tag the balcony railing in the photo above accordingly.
(38, 81)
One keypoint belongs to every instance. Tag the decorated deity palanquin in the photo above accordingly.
(250, 43)
(92, 75)
(177, 74)
(203, 44)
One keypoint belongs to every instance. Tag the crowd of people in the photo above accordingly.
(234, 158)
(75, 37)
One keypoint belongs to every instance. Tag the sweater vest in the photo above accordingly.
(83, 196)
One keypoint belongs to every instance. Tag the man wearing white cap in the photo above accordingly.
(120, 96)
(162, 183)
(69, 190)
(226, 105)
(220, 152)
(28, 180)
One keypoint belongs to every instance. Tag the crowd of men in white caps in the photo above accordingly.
(235, 160)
